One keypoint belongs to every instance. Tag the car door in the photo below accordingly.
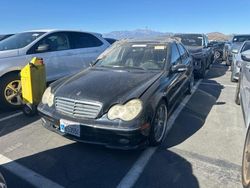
(186, 60)
(246, 91)
(175, 78)
(55, 51)
(87, 48)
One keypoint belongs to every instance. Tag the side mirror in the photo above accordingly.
(245, 56)
(179, 68)
(42, 48)
(235, 51)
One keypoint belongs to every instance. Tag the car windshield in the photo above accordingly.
(19, 40)
(241, 38)
(135, 56)
(191, 40)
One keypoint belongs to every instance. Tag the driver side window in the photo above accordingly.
(51, 43)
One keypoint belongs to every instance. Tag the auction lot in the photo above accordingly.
(203, 148)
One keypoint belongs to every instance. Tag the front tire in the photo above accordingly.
(191, 85)
(245, 177)
(159, 124)
(10, 91)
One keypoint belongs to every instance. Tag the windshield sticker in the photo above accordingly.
(160, 47)
(139, 45)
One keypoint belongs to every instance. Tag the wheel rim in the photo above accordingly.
(160, 122)
(13, 93)
(216, 55)
(246, 161)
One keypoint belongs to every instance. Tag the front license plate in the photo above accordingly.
(70, 127)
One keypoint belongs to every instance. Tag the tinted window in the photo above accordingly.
(55, 42)
(241, 38)
(246, 47)
(175, 56)
(191, 39)
(19, 40)
(84, 40)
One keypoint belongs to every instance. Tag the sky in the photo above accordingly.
(226, 16)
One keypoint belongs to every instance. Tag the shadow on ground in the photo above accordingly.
(15, 123)
(194, 114)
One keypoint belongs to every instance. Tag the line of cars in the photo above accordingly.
(127, 92)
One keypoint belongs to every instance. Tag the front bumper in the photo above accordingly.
(112, 137)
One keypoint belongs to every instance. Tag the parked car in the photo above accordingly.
(110, 40)
(226, 50)
(2, 37)
(217, 47)
(234, 46)
(64, 53)
(2, 181)
(125, 99)
(236, 62)
(198, 46)
(243, 97)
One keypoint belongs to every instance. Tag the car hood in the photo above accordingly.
(194, 49)
(8, 53)
(106, 86)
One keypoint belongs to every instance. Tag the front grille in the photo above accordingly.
(77, 108)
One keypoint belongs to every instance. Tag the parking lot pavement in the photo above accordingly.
(203, 149)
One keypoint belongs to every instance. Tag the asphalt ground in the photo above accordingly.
(203, 148)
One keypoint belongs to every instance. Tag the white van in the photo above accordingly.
(64, 53)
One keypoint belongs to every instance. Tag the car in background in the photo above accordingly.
(2, 37)
(198, 46)
(110, 40)
(217, 47)
(234, 46)
(64, 53)
(2, 181)
(236, 62)
(123, 100)
(242, 97)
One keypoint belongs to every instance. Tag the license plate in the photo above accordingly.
(70, 127)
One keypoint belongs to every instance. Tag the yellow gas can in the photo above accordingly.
(33, 80)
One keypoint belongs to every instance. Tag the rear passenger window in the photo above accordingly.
(84, 40)
(175, 56)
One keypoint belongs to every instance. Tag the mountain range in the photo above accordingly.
(144, 33)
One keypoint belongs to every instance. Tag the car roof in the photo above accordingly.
(60, 30)
(158, 40)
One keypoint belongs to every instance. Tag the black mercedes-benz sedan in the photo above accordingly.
(125, 98)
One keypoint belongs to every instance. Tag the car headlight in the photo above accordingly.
(48, 97)
(126, 112)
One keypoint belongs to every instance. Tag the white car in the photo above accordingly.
(64, 53)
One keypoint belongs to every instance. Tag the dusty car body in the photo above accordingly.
(242, 97)
(198, 46)
(234, 46)
(237, 60)
(132, 76)
(56, 47)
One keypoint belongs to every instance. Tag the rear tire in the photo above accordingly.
(202, 71)
(245, 170)
(10, 91)
(159, 124)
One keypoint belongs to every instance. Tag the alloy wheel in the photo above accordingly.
(13, 93)
(160, 122)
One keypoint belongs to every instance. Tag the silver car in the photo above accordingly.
(236, 62)
(234, 46)
(64, 53)
(243, 98)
